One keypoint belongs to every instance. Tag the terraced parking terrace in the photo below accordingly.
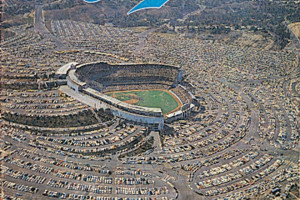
(163, 99)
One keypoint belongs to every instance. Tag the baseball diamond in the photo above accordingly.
(163, 99)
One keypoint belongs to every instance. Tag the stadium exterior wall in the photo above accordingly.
(157, 123)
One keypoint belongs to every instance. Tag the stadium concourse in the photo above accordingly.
(240, 142)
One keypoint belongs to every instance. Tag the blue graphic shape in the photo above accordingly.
(146, 4)
(91, 1)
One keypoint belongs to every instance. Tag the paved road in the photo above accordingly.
(40, 27)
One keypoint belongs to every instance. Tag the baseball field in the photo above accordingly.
(149, 98)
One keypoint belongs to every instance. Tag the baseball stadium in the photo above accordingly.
(147, 94)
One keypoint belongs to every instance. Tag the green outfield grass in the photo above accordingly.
(148, 98)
